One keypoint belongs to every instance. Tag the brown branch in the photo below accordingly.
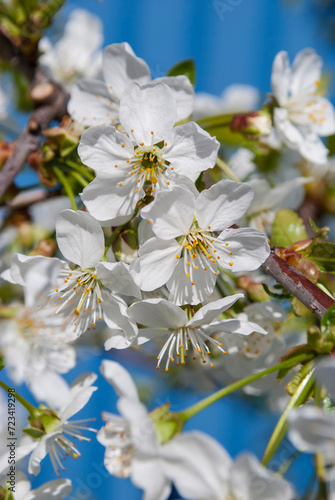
(50, 101)
(309, 294)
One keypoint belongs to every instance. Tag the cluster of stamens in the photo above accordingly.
(63, 447)
(199, 249)
(180, 342)
(82, 292)
(148, 166)
(307, 108)
(120, 451)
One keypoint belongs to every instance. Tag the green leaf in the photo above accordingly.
(186, 67)
(328, 319)
(287, 229)
(323, 254)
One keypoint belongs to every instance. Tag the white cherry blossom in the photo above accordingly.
(154, 154)
(57, 489)
(95, 102)
(33, 340)
(77, 53)
(186, 333)
(268, 201)
(301, 114)
(248, 479)
(57, 441)
(193, 236)
(188, 460)
(236, 98)
(83, 292)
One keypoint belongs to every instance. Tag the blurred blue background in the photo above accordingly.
(229, 45)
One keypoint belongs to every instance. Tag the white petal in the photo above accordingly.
(210, 311)
(116, 317)
(313, 149)
(41, 451)
(146, 334)
(121, 66)
(183, 92)
(158, 313)
(288, 132)
(171, 212)
(55, 490)
(235, 326)
(251, 481)
(197, 465)
(101, 149)
(223, 204)
(109, 202)
(280, 77)
(191, 150)
(306, 71)
(119, 378)
(249, 249)
(325, 121)
(81, 391)
(267, 198)
(116, 276)
(146, 109)
(147, 475)
(91, 103)
(312, 430)
(37, 274)
(48, 386)
(80, 238)
(180, 286)
(156, 263)
(325, 374)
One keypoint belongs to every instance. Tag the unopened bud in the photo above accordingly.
(255, 123)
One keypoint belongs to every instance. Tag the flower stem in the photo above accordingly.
(201, 405)
(226, 170)
(114, 235)
(30, 408)
(68, 189)
(297, 399)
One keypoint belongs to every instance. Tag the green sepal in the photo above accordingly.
(167, 424)
(287, 228)
(33, 432)
(8, 495)
(50, 422)
(185, 67)
(292, 353)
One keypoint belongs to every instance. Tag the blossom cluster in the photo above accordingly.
(165, 245)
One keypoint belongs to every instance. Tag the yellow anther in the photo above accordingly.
(196, 267)
(226, 244)
(177, 256)
(132, 130)
(123, 145)
(188, 275)
(76, 312)
(230, 263)
(192, 282)
(149, 221)
(152, 133)
(120, 184)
